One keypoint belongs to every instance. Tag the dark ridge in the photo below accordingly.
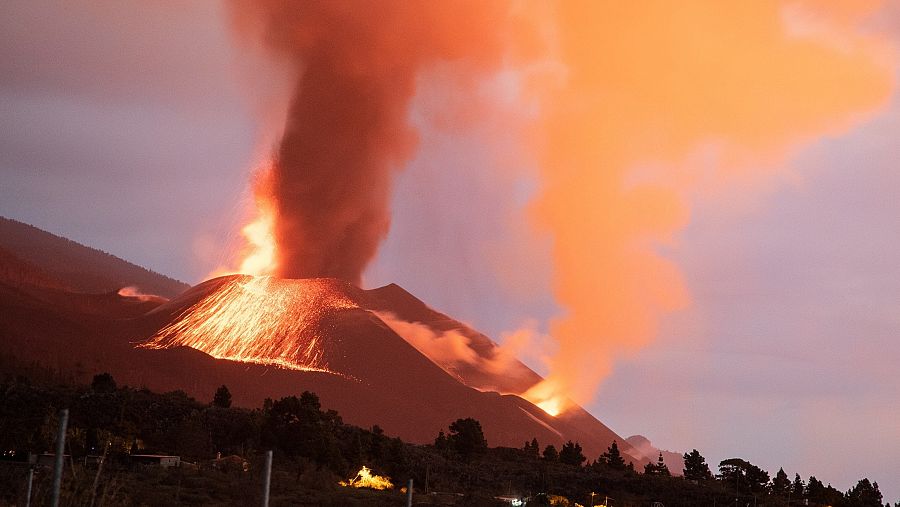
(36, 256)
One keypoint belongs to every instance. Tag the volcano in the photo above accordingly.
(268, 337)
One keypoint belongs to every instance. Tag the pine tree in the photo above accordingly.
(815, 490)
(612, 458)
(695, 467)
(571, 454)
(658, 468)
(661, 467)
(797, 487)
(781, 485)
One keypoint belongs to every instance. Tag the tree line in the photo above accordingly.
(312, 442)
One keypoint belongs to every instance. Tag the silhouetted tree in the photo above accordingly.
(441, 441)
(550, 453)
(532, 448)
(781, 485)
(865, 494)
(222, 398)
(815, 490)
(658, 468)
(695, 467)
(742, 473)
(466, 437)
(612, 458)
(797, 488)
(103, 383)
(231, 430)
(832, 496)
(571, 454)
(298, 427)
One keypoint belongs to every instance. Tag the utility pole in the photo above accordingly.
(409, 489)
(267, 479)
(30, 481)
(97, 477)
(58, 462)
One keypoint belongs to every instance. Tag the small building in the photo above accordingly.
(155, 460)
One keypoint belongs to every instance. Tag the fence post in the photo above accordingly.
(267, 478)
(60, 452)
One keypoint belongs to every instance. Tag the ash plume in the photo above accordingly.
(346, 132)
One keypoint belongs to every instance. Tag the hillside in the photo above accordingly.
(34, 256)
(351, 346)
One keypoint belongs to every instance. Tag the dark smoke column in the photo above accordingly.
(347, 130)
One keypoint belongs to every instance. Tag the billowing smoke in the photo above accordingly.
(659, 101)
(452, 348)
(640, 105)
(347, 132)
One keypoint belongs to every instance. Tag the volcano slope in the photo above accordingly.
(269, 338)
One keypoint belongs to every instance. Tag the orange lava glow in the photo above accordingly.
(262, 320)
(366, 479)
(258, 257)
(135, 293)
(549, 397)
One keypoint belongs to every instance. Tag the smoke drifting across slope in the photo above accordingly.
(347, 131)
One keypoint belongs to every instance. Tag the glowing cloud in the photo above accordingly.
(646, 87)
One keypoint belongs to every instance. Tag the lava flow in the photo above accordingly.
(262, 320)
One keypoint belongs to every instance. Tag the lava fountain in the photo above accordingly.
(259, 319)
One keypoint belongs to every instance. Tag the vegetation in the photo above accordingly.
(222, 448)
(222, 398)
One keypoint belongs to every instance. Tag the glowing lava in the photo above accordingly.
(258, 256)
(366, 479)
(547, 396)
(135, 293)
(262, 320)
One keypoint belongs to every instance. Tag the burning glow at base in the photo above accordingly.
(262, 320)
(366, 479)
(548, 397)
